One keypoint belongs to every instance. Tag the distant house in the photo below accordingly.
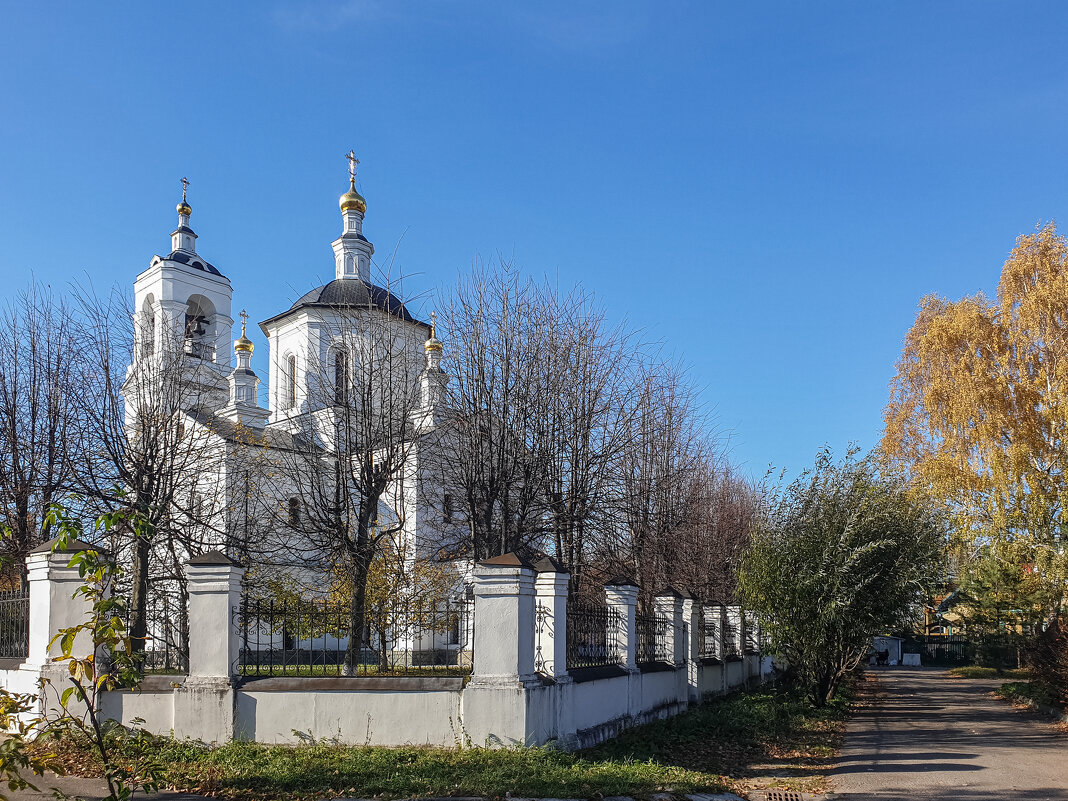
(890, 644)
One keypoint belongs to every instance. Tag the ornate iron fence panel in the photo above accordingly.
(653, 642)
(415, 636)
(708, 633)
(15, 624)
(752, 633)
(166, 644)
(542, 621)
(730, 640)
(593, 636)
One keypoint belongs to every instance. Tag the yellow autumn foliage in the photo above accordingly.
(978, 410)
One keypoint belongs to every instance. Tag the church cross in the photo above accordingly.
(433, 325)
(185, 186)
(244, 319)
(353, 161)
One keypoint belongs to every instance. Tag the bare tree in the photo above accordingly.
(663, 452)
(707, 549)
(497, 400)
(352, 443)
(38, 407)
(587, 369)
(149, 444)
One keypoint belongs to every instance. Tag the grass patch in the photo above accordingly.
(976, 672)
(732, 743)
(768, 736)
(1025, 693)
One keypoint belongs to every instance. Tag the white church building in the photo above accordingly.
(183, 315)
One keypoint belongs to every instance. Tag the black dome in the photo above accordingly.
(355, 292)
(194, 261)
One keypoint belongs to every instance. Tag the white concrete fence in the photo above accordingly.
(520, 690)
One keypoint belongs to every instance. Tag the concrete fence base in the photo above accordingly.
(505, 701)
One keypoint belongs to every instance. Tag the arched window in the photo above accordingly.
(290, 382)
(341, 377)
(148, 327)
(199, 328)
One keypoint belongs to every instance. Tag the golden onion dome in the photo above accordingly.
(244, 343)
(184, 208)
(352, 200)
(433, 343)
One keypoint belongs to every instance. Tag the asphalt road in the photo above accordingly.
(931, 736)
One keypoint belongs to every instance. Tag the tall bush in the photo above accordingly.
(841, 555)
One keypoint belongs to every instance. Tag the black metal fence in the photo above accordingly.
(752, 633)
(1003, 650)
(730, 640)
(15, 624)
(166, 643)
(708, 626)
(654, 644)
(593, 636)
(414, 636)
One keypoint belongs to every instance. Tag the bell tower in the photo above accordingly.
(182, 314)
(182, 302)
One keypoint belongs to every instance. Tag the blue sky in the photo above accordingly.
(767, 188)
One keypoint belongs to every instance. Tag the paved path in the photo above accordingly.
(931, 736)
(88, 789)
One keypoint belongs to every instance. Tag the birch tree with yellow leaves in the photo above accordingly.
(978, 411)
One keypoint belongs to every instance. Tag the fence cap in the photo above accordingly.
(508, 560)
(621, 581)
(549, 565)
(213, 558)
(73, 546)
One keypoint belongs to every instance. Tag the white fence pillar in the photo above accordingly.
(52, 608)
(669, 603)
(550, 589)
(621, 594)
(52, 603)
(504, 619)
(204, 702)
(497, 708)
(691, 614)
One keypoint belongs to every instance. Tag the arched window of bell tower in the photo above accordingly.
(147, 326)
(199, 336)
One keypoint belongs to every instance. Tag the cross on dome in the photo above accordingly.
(353, 162)
(244, 344)
(185, 186)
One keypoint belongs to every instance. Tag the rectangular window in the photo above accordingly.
(446, 507)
